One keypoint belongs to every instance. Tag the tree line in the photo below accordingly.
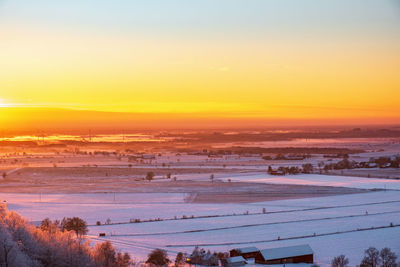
(54, 243)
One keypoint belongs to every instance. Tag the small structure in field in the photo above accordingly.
(293, 254)
(234, 261)
(247, 252)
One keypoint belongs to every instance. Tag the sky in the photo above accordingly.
(335, 60)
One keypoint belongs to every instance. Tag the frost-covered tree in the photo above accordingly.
(196, 256)
(105, 253)
(23, 244)
(10, 255)
(124, 260)
(201, 257)
(48, 226)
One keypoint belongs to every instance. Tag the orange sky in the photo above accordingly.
(50, 120)
(324, 69)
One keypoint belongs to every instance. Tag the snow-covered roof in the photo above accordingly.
(286, 252)
(235, 259)
(247, 249)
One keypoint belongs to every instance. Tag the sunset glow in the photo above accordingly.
(335, 61)
(180, 133)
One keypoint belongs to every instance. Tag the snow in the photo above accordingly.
(294, 221)
(286, 252)
(247, 249)
(320, 180)
(236, 259)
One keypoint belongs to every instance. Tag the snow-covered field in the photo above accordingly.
(332, 225)
(320, 180)
(302, 179)
(333, 220)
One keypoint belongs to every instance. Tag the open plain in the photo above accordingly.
(214, 200)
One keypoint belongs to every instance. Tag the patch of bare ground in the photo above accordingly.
(84, 172)
(270, 192)
(198, 191)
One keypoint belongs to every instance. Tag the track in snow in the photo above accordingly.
(257, 224)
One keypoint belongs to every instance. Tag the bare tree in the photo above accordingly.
(340, 261)
(75, 224)
(179, 260)
(371, 258)
(124, 260)
(158, 257)
(388, 258)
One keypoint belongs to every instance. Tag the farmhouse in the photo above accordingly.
(148, 156)
(247, 252)
(277, 172)
(140, 157)
(372, 165)
(295, 157)
(293, 254)
(234, 261)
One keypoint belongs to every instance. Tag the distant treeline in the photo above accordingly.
(381, 162)
(284, 150)
(221, 137)
(65, 143)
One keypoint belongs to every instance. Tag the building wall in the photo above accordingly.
(249, 255)
(234, 264)
(234, 253)
(298, 259)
